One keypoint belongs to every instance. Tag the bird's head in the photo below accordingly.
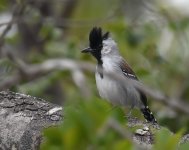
(100, 44)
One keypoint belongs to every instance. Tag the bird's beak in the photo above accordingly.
(86, 50)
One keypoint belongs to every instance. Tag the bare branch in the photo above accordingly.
(67, 22)
(18, 9)
(30, 72)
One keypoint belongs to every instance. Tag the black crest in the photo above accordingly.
(96, 37)
(95, 42)
(105, 36)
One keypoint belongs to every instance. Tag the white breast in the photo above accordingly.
(115, 91)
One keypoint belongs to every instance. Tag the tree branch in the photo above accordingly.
(33, 71)
(18, 9)
(22, 118)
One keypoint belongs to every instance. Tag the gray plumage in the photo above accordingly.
(117, 92)
(105, 50)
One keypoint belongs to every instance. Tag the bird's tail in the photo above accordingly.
(148, 115)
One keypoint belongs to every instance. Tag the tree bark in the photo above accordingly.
(22, 118)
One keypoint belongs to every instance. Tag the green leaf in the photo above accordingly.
(85, 124)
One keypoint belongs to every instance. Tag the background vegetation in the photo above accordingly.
(152, 35)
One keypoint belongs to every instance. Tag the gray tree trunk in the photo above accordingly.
(22, 118)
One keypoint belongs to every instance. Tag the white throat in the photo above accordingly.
(109, 48)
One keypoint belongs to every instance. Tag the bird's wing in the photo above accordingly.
(129, 73)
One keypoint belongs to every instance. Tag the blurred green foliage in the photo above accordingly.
(156, 49)
(86, 126)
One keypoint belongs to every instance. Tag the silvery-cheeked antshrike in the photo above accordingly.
(105, 50)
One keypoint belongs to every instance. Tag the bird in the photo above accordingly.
(109, 60)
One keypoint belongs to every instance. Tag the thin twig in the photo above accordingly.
(31, 72)
(18, 9)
